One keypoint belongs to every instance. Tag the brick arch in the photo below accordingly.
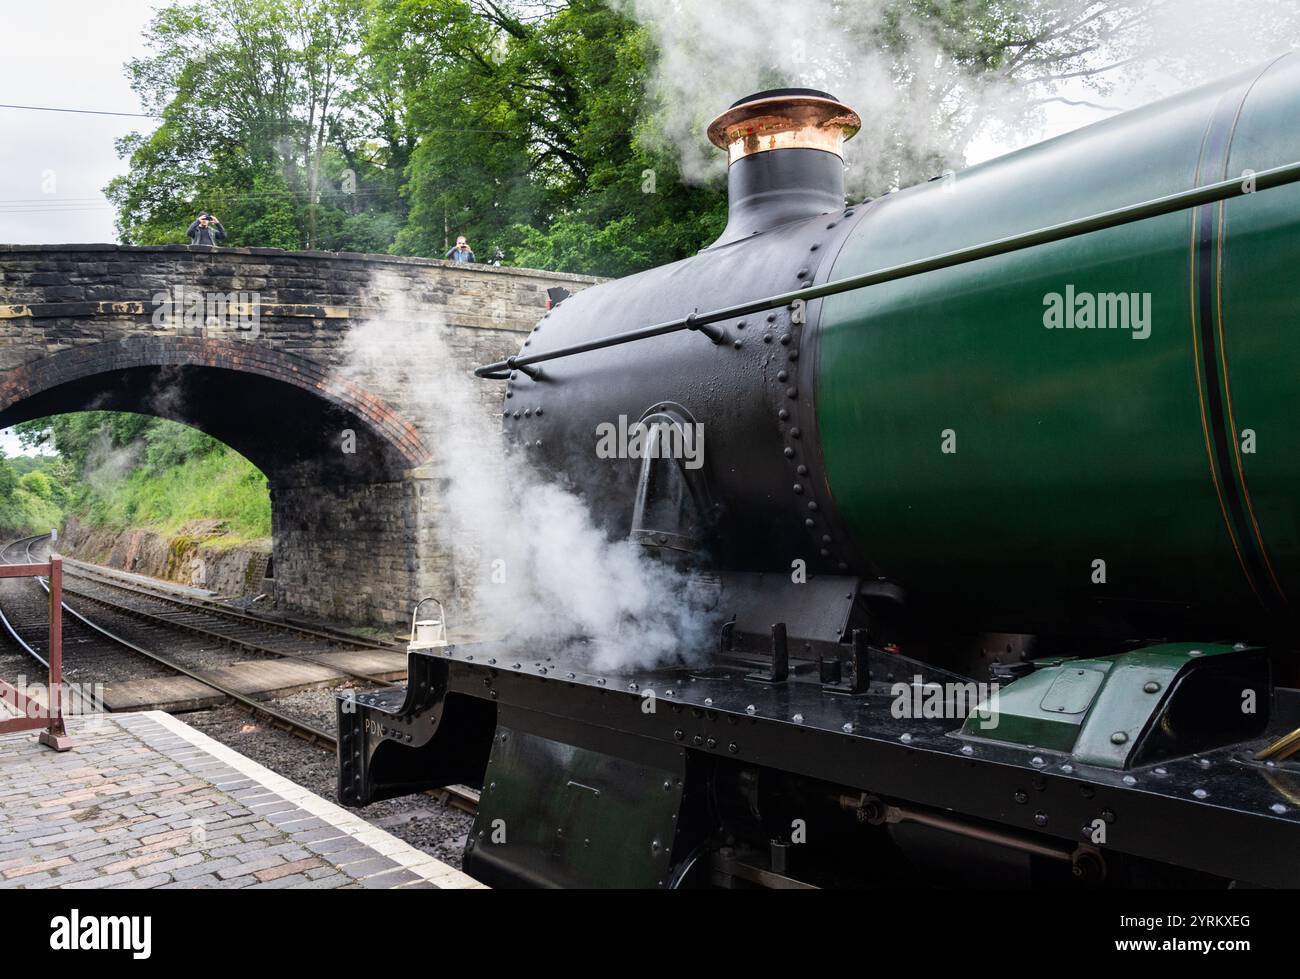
(80, 363)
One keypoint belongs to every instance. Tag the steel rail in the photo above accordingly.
(4, 620)
(75, 568)
(1245, 185)
(463, 796)
(219, 637)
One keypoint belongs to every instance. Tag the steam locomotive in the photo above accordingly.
(998, 513)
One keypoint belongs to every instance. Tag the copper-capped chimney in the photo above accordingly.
(784, 158)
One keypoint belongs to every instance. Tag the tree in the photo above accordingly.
(568, 134)
(251, 94)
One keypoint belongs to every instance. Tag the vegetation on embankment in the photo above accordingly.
(126, 471)
(33, 494)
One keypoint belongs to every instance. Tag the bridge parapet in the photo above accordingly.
(85, 326)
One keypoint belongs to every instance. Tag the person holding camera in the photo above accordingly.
(206, 230)
(462, 252)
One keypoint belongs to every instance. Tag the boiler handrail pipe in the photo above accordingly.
(1247, 184)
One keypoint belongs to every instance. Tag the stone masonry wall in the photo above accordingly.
(357, 549)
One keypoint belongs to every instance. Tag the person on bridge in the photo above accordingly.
(462, 252)
(206, 230)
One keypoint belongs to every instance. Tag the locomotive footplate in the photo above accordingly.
(658, 778)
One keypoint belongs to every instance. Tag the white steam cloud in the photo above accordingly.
(924, 89)
(529, 562)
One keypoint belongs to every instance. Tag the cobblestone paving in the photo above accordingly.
(143, 800)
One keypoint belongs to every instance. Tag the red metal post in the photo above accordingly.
(56, 735)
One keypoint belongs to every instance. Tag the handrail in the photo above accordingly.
(30, 718)
(1248, 183)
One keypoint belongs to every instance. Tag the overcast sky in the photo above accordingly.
(53, 165)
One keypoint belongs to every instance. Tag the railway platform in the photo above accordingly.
(142, 800)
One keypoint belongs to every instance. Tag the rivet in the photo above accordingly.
(795, 432)
(539, 412)
(809, 522)
(1040, 818)
(802, 470)
(812, 505)
(1195, 652)
(801, 274)
(782, 375)
(792, 392)
(829, 226)
(814, 247)
(1200, 793)
(847, 728)
(1278, 808)
(711, 743)
(783, 415)
(528, 412)
(905, 738)
(1021, 796)
(967, 750)
(794, 355)
(737, 344)
(767, 338)
(825, 552)
(788, 452)
(1119, 737)
(750, 709)
(826, 538)
(1151, 686)
(785, 339)
(733, 748)
(740, 324)
(798, 718)
(798, 488)
(1037, 761)
(1130, 780)
(771, 317)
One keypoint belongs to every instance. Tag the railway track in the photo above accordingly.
(160, 613)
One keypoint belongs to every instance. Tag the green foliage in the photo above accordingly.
(33, 500)
(122, 470)
(531, 128)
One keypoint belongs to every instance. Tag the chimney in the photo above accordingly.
(784, 158)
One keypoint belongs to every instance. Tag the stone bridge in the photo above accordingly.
(261, 361)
